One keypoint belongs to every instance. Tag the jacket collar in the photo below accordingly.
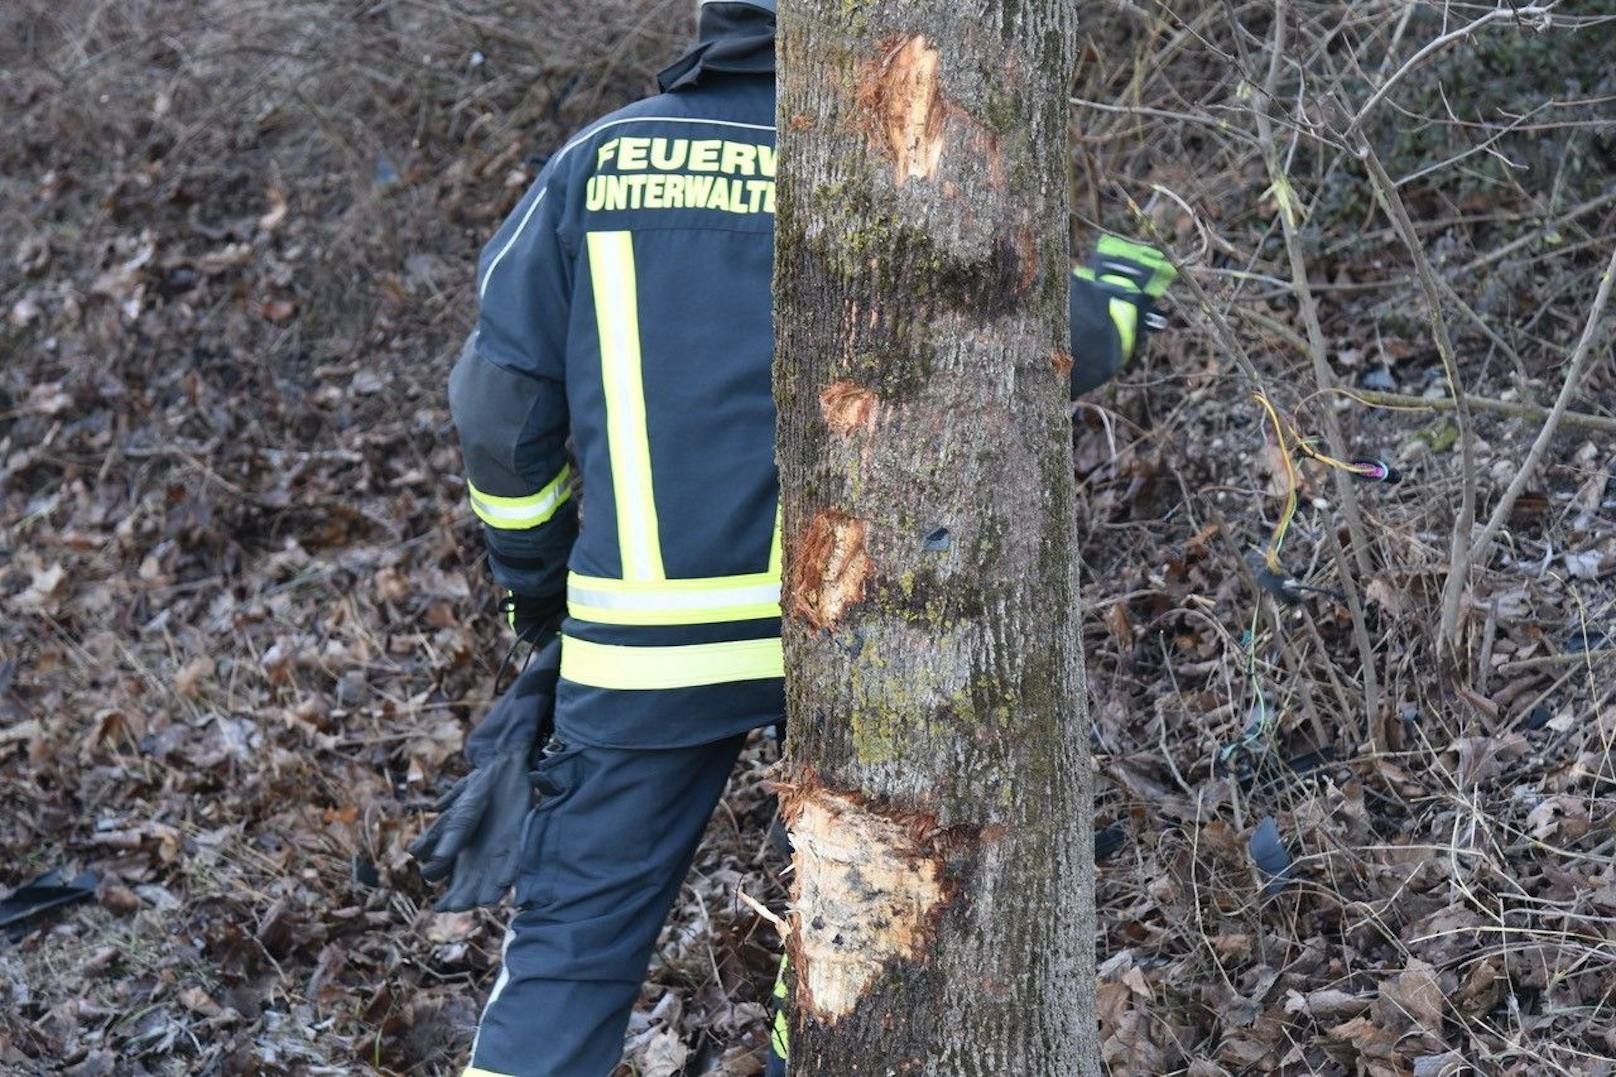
(733, 39)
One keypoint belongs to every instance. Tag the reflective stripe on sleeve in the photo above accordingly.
(780, 1036)
(602, 665)
(617, 316)
(673, 602)
(521, 513)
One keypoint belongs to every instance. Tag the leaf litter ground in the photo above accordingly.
(245, 628)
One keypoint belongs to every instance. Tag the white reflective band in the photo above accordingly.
(521, 513)
(674, 602)
(499, 989)
(617, 319)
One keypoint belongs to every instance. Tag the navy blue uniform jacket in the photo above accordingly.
(625, 308)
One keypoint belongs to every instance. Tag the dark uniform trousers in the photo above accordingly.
(606, 853)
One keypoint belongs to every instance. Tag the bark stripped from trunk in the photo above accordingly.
(939, 796)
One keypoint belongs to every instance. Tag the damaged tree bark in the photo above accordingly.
(939, 788)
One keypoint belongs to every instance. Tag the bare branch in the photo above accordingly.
(1513, 409)
(1459, 547)
(1317, 346)
(1540, 15)
(1579, 366)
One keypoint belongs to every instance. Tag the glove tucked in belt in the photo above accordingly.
(475, 843)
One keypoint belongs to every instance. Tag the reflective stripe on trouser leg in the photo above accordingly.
(617, 318)
(607, 861)
(780, 1031)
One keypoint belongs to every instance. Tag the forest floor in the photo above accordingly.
(245, 628)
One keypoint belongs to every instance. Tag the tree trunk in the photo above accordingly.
(939, 783)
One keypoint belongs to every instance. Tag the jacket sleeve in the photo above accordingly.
(1097, 339)
(1113, 308)
(509, 400)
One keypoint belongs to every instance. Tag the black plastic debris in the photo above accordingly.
(1107, 840)
(1590, 639)
(46, 892)
(780, 838)
(364, 871)
(1281, 587)
(1268, 852)
(1290, 591)
(1374, 469)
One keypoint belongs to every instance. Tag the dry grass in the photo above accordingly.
(1449, 811)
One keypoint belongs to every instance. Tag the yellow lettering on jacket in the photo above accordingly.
(724, 175)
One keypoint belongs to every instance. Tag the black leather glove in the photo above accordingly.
(476, 841)
(533, 619)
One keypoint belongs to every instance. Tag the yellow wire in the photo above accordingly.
(1303, 445)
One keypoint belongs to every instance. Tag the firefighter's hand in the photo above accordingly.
(1114, 308)
(1136, 268)
(476, 841)
(533, 619)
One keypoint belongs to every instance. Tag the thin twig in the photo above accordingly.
(1542, 15)
(1318, 346)
(1548, 661)
(1568, 389)
(1459, 547)
(1496, 256)
(1511, 408)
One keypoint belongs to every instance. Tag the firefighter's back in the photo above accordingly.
(673, 590)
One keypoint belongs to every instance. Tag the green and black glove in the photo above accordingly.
(476, 841)
(1113, 308)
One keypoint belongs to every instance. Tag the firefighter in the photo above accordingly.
(625, 312)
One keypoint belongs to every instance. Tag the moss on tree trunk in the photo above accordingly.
(940, 778)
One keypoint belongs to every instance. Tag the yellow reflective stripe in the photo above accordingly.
(602, 665)
(780, 1032)
(673, 602)
(521, 513)
(1125, 316)
(473, 1071)
(780, 1035)
(617, 316)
